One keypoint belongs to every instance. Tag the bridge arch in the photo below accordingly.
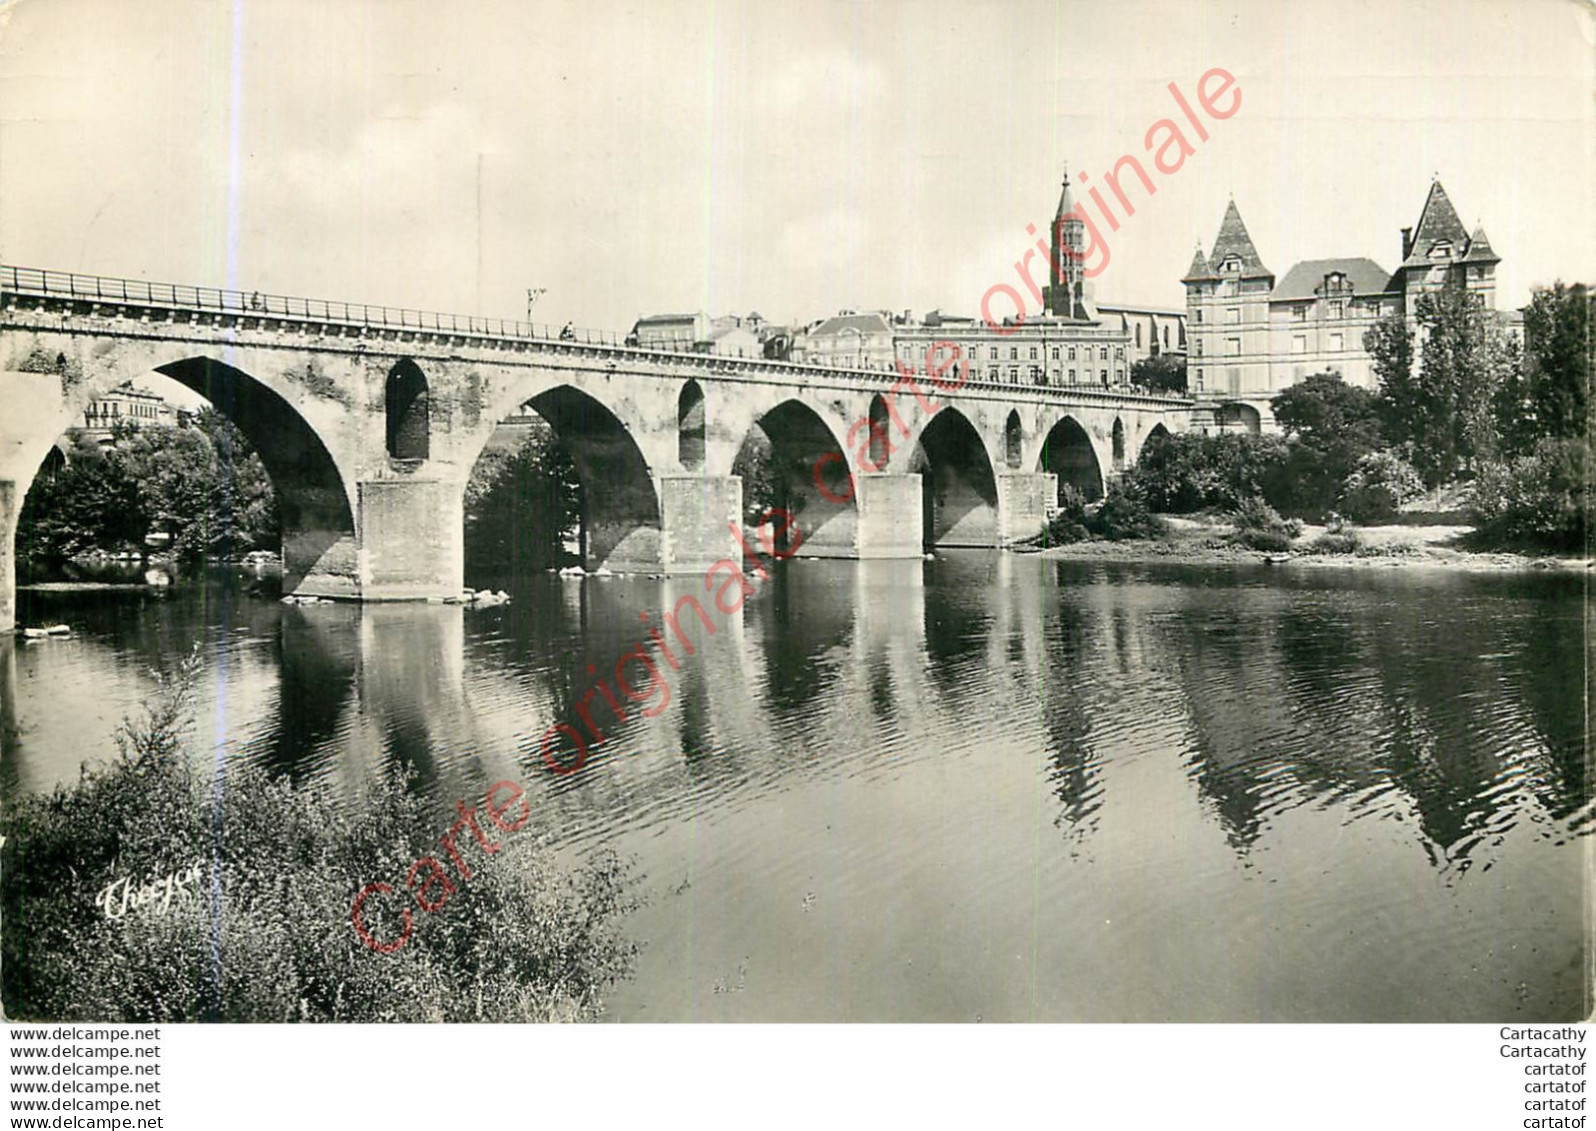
(1157, 430)
(406, 407)
(313, 489)
(1013, 440)
(618, 508)
(1069, 454)
(690, 426)
(793, 458)
(957, 482)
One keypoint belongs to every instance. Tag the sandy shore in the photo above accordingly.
(1198, 541)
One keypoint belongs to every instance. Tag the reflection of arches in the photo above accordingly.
(405, 401)
(620, 508)
(1013, 437)
(804, 453)
(1067, 453)
(690, 426)
(1119, 444)
(959, 489)
(1237, 416)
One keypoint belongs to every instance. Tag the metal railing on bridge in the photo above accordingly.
(101, 288)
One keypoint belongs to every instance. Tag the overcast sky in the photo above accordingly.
(791, 158)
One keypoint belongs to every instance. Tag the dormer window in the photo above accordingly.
(1231, 264)
(1441, 250)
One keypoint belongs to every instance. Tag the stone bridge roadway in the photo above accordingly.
(369, 420)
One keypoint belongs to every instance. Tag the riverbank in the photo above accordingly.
(1196, 541)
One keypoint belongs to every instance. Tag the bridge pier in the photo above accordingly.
(1024, 500)
(10, 507)
(412, 542)
(891, 516)
(699, 518)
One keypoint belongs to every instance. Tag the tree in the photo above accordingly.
(1550, 396)
(1445, 412)
(1162, 373)
(521, 505)
(1330, 426)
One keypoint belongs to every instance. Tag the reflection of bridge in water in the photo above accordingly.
(370, 419)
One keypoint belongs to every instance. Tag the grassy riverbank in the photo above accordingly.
(266, 935)
(1431, 542)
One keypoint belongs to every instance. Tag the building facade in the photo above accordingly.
(1250, 336)
(123, 405)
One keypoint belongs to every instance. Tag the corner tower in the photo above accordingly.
(1066, 296)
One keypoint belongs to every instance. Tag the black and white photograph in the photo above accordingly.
(829, 512)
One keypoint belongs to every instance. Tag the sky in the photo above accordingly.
(792, 159)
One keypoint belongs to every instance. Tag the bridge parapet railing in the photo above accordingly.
(35, 282)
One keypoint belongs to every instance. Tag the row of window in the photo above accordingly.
(974, 352)
(1038, 376)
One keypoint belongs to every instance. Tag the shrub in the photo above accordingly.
(1542, 499)
(268, 937)
(1069, 524)
(1378, 486)
(1124, 515)
(1335, 542)
(1191, 472)
(1260, 527)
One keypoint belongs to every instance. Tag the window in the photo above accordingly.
(1166, 335)
(1138, 335)
(1055, 375)
(1102, 353)
(1072, 358)
(1338, 309)
(1199, 315)
(1103, 375)
(1233, 346)
(1299, 343)
(1197, 347)
(1119, 353)
(1036, 374)
(1232, 315)
(1014, 374)
(1072, 373)
(1299, 313)
(1337, 343)
(1199, 377)
(1014, 353)
(993, 356)
(1055, 353)
(992, 372)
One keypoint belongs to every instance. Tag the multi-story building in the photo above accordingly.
(1250, 336)
(124, 404)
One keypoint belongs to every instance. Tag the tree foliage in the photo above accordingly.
(1161, 373)
(1551, 396)
(203, 485)
(1330, 425)
(521, 504)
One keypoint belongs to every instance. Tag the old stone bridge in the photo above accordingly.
(369, 420)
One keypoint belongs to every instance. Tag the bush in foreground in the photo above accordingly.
(267, 934)
(1124, 515)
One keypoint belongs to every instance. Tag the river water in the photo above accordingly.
(983, 787)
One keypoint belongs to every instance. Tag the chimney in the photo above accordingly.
(1407, 242)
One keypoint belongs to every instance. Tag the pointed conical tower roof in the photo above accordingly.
(1438, 223)
(1199, 269)
(1234, 240)
(1480, 250)
(1064, 202)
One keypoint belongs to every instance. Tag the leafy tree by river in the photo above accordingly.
(202, 484)
(521, 505)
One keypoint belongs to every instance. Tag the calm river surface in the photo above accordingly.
(987, 786)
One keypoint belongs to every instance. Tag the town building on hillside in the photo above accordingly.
(1250, 335)
(124, 404)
